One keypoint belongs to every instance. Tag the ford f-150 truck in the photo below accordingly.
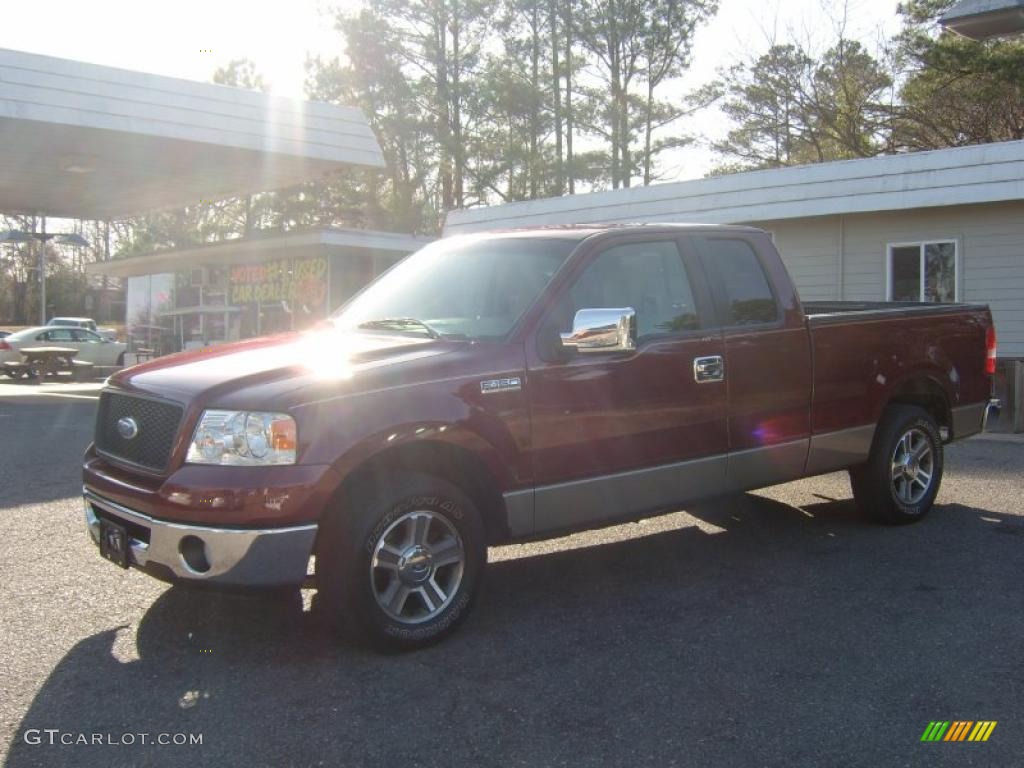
(515, 385)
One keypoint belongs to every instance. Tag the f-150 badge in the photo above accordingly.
(489, 386)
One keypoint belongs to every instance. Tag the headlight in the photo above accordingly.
(243, 438)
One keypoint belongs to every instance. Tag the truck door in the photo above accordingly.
(615, 434)
(767, 358)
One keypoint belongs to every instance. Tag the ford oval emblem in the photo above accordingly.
(127, 427)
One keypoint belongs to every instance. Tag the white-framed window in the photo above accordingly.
(924, 271)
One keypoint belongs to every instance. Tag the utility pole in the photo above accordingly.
(106, 249)
(42, 274)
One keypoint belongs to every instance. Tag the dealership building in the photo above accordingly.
(266, 283)
(945, 225)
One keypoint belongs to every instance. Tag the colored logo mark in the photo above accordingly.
(958, 730)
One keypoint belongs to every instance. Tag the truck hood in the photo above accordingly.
(282, 370)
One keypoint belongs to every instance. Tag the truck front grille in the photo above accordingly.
(156, 424)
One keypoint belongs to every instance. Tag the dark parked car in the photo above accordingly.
(514, 385)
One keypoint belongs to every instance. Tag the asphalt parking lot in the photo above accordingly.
(774, 629)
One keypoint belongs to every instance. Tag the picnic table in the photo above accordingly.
(48, 361)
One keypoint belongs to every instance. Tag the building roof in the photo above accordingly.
(982, 19)
(976, 174)
(85, 141)
(571, 231)
(262, 247)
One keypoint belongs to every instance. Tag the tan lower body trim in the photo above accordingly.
(843, 448)
(967, 419)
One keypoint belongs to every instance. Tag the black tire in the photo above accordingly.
(353, 580)
(883, 490)
(120, 360)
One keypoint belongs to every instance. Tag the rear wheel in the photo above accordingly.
(901, 478)
(402, 563)
(120, 360)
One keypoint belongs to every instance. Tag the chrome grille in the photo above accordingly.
(157, 421)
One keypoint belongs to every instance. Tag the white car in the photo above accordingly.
(92, 348)
(83, 322)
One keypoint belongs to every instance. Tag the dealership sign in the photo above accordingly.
(296, 281)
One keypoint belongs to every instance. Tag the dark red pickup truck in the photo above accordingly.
(512, 385)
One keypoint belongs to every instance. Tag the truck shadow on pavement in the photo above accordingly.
(769, 635)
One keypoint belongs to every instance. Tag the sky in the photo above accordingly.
(191, 38)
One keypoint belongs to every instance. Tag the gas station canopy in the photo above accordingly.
(984, 19)
(85, 141)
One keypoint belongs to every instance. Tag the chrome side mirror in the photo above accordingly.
(602, 330)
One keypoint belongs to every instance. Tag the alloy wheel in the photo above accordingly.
(913, 466)
(417, 567)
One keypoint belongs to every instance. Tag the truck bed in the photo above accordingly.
(824, 312)
(862, 350)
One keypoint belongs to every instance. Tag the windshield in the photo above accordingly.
(463, 288)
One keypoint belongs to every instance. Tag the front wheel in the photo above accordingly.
(401, 563)
(901, 478)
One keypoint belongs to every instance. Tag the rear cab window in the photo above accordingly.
(743, 292)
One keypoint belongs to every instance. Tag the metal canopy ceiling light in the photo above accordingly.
(72, 239)
(61, 238)
(985, 19)
(15, 236)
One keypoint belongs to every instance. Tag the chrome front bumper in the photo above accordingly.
(223, 556)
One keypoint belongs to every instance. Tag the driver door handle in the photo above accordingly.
(708, 369)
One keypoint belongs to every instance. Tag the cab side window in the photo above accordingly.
(743, 286)
(650, 277)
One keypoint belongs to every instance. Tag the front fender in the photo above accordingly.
(433, 436)
(347, 432)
